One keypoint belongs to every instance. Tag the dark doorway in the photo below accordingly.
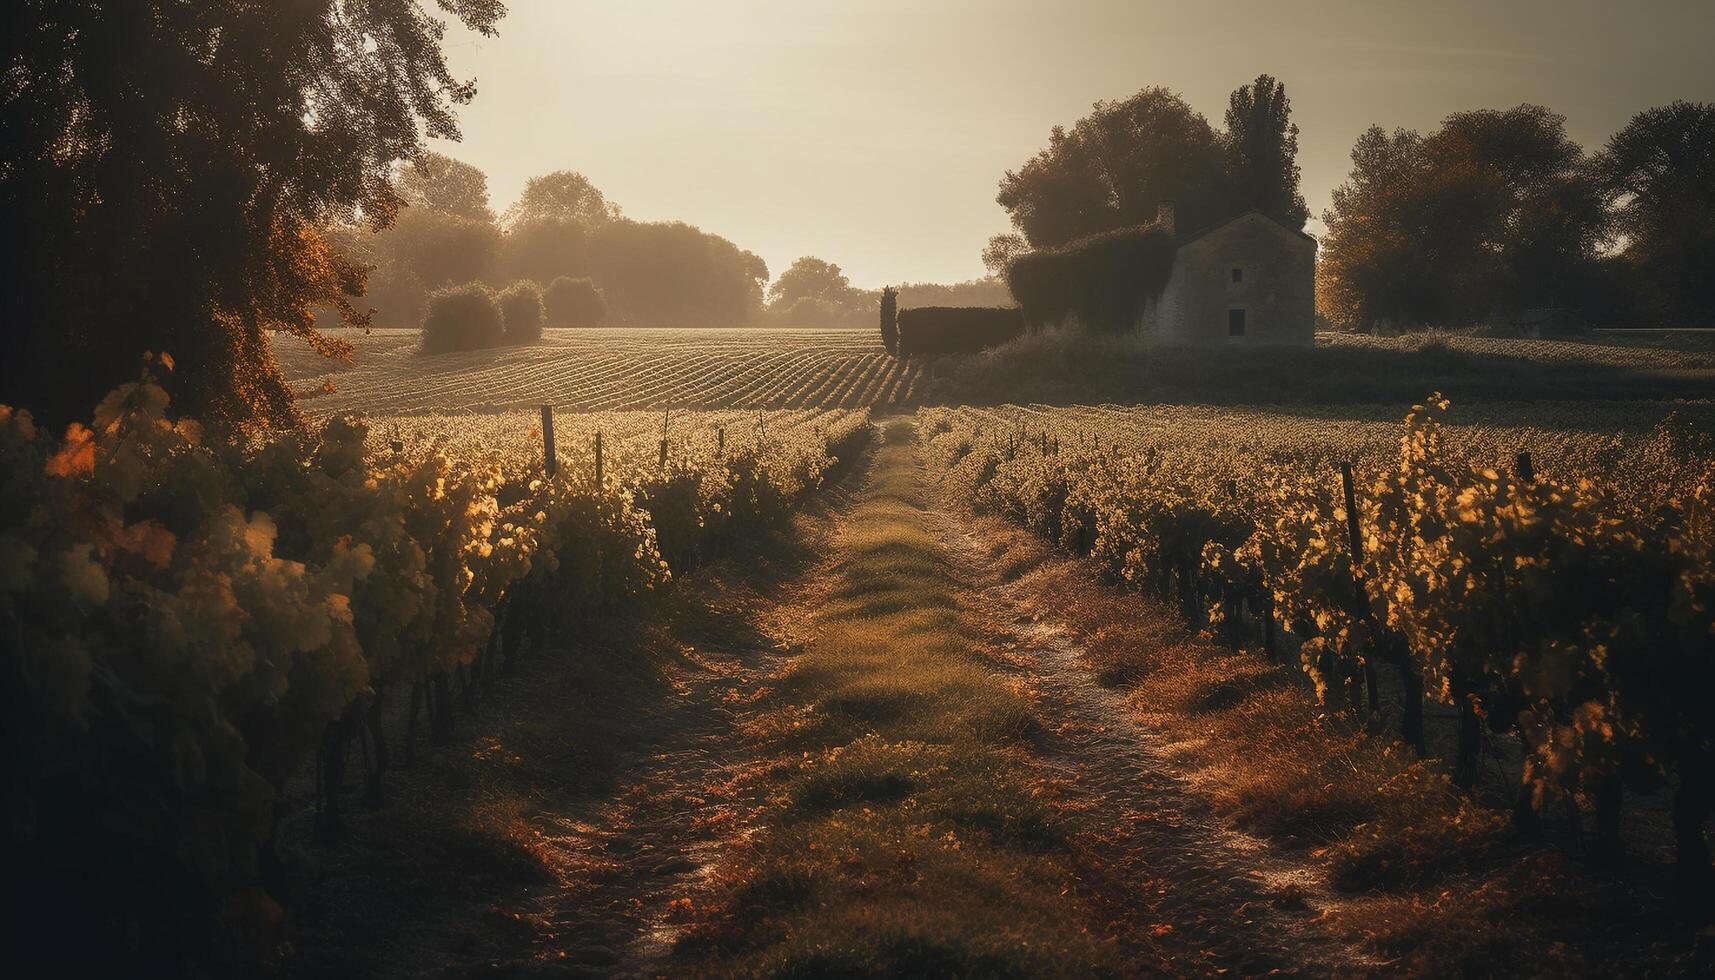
(1235, 323)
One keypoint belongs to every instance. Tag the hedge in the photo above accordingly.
(574, 303)
(956, 329)
(462, 318)
(521, 312)
(1104, 280)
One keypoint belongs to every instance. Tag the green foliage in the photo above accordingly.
(464, 317)
(574, 303)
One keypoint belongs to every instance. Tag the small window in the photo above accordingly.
(1235, 323)
(1238, 275)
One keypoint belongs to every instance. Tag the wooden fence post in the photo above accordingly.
(548, 461)
(720, 440)
(1526, 472)
(598, 459)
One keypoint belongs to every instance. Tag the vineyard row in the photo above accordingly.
(187, 622)
(1572, 606)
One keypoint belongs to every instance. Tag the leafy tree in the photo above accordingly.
(563, 195)
(1114, 168)
(674, 274)
(521, 312)
(439, 183)
(1001, 250)
(574, 303)
(167, 168)
(1497, 209)
(1261, 144)
(811, 278)
(543, 249)
(1661, 168)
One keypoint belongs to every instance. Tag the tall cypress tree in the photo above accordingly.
(1261, 144)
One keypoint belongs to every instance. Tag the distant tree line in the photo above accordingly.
(561, 227)
(816, 293)
(1495, 212)
(1500, 210)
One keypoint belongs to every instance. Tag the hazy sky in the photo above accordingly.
(872, 134)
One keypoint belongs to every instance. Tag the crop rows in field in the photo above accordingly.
(1567, 604)
(630, 439)
(1658, 350)
(1643, 447)
(610, 370)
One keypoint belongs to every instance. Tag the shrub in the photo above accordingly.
(1104, 280)
(890, 319)
(574, 303)
(957, 329)
(462, 318)
(521, 312)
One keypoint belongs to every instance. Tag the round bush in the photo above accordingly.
(462, 318)
(521, 312)
(574, 303)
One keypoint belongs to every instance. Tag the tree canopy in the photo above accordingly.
(563, 195)
(1261, 143)
(1496, 209)
(1661, 170)
(168, 166)
(811, 278)
(437, 182)
(1116, 166)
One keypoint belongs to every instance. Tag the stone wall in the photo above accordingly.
(1276, 291)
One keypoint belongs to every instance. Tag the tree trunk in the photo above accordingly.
(1467, 757)
(1411, 713)
(1527, 822)
(1608, 848)
(1269, 642)
(377, 738)
(418, 695)
(334, 751)
(441, 708)
(1691, 806)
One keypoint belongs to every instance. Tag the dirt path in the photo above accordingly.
(886, 753)
(1148, 880)
(629, 865)
(1224, 900)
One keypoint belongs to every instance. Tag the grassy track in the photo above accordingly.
(907, 839)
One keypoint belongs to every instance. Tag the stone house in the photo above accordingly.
(1248, 280)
